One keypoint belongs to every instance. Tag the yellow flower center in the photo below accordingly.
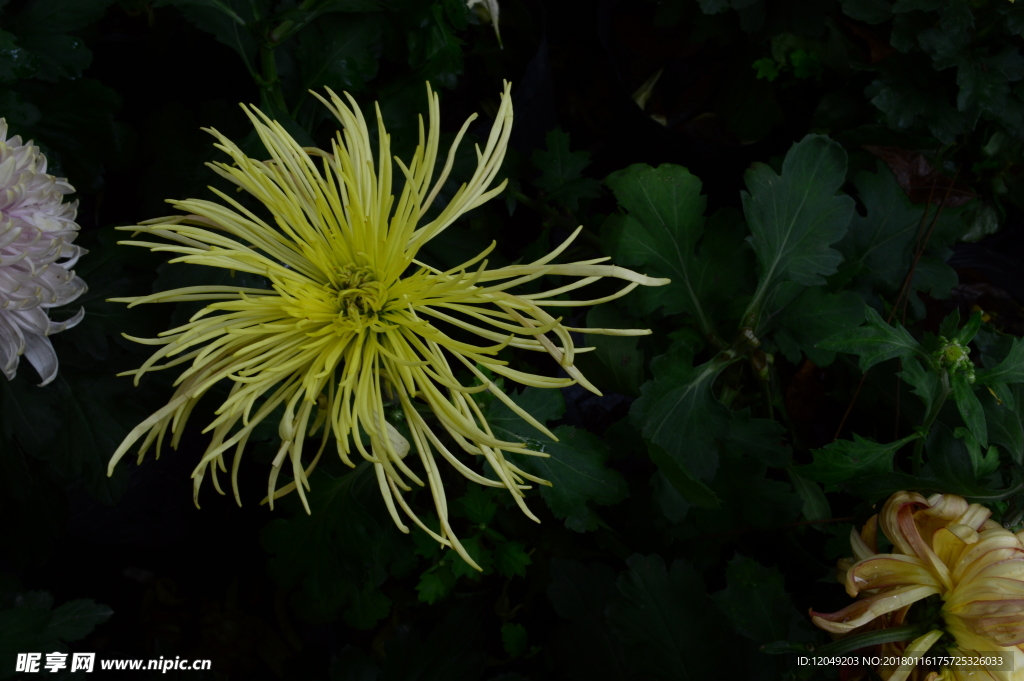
(360, 298)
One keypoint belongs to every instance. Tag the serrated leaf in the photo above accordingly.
(678, 412)
(810, 318)
(879, 247)
(513, 639)
(511, 559)
(339, 52)
(761, 439)
(1004, 425)
(693, 491)
(663, 617)
(874, 342)
(1009, 370)
(620, 356)
(755, 601)
(368, 607)
(481, 555)
(435, 584)
(575, 466)
(562, 171)
(477, 505)
(75, 620)
(797, 216)
(925, 384)
(969, 407)
(347, 541)
(662, 231)
(845, 460)
(816, 506)
(228, 21)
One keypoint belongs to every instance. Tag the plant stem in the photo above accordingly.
(271, 84)
(926, 425)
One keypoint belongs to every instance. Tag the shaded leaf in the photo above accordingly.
(511, 559)
(662, 616)
(874, 342)
(755, 601)
(662, 231)
(795, 217)
(845, 460)
(575, 466)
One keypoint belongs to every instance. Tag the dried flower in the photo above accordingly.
(348, 331)
(36, 256)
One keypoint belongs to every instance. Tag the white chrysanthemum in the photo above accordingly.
(36, 256)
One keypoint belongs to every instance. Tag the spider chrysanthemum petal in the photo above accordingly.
(351, 326)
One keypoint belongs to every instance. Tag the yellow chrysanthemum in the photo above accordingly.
(941, 545)
(352, 321)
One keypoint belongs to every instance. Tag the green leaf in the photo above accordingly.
(57, 56)
(795, 217)
(562, 172)
(435, 584)
(816, 506)
(348, 540)
(875, 342)
(879, 248)
(762, 439)
(513, 639)
(1004, 425)
(813, 316)
(482, 556)
(1010, 370)
(15, 62)
(75, 620)
(678, 412)
(970, 408)
(844, 460)
(339, 52)
(662, 231)
(228, 21)
(755, 601)
(575, 466)
(694, 491)
(511, 559)
(621, 359)
(368, 607)
(925, 384)
(665, 619)
(907, 100)
(477, 505)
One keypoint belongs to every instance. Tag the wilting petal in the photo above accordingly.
(887, 570)
(887, 519)
(912, 535)
(864, 610)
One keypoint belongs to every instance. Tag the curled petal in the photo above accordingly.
(866, 609)
(888, 570)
